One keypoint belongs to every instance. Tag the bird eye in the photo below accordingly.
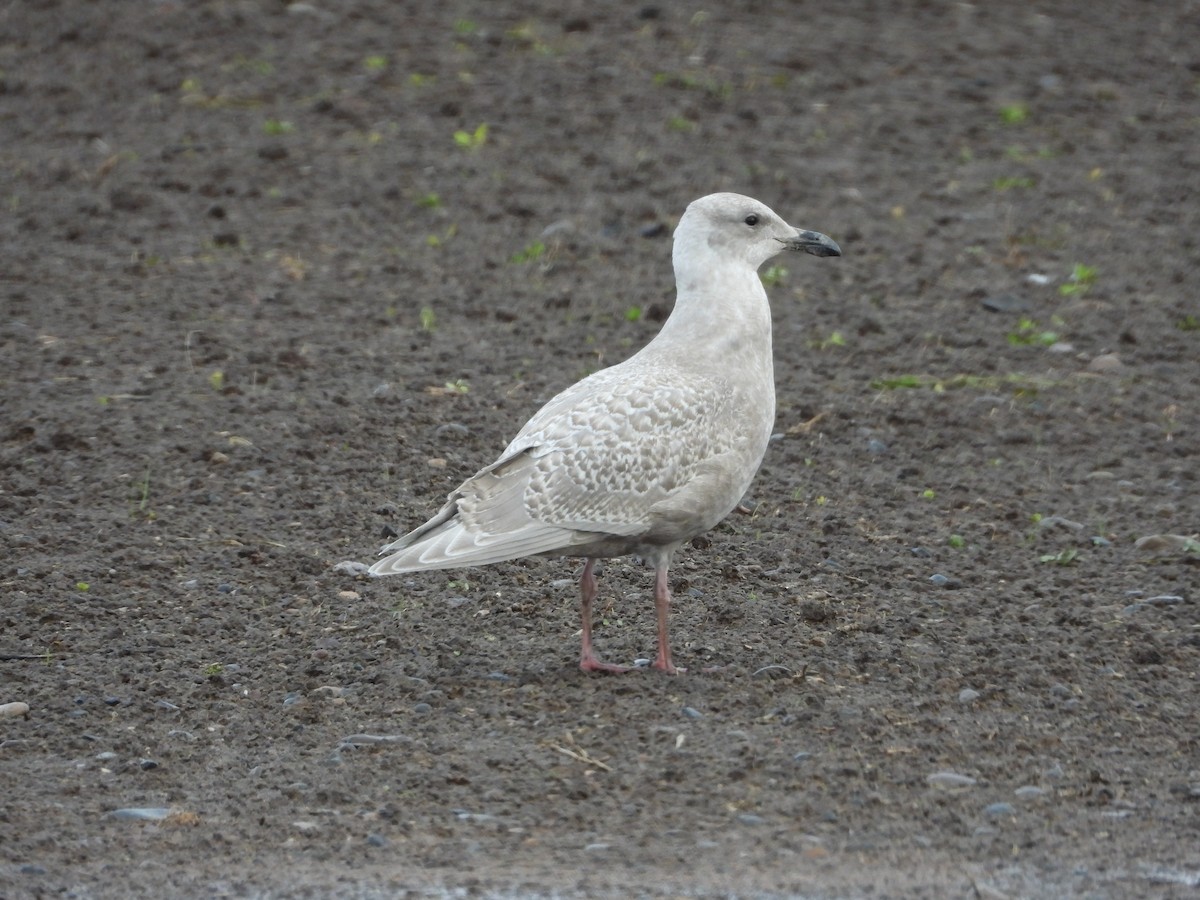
(751, 220)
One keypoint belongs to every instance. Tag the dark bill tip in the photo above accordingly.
(815, 243)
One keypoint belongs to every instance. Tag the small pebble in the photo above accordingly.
(1106, 362)
(801, 756)
(751, 819)
(422, 709)
(147, 764)
(360, 739)
(1060, 522)
(692, 713)
(999, 809)
(951, 780)
(1163, 543)
(968, 695)
(351, 567)
(376, 840)
(12, 710)
(1029, 791)
(1164, 600)
(1005, 303)
(939, 579)
(468, 816)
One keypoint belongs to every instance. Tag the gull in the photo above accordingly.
(639, 458)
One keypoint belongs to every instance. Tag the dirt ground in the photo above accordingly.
(270, 289)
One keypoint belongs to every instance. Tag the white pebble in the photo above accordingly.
(12, 710)
(951, 780)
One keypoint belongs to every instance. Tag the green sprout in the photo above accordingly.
(531, 252)
(835, 339)
(1082, 278)
(376, 62)
(428, 319)
(472, 140)
(1028, 332)
(277, 126)
(435, 240)
(1014, 113)
(1061, 558)
(143, 488)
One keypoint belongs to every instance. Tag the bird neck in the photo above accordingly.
(707, 315)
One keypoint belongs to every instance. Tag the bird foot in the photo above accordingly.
(592, 664)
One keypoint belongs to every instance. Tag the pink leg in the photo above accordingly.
(662, 608)
(587, 588)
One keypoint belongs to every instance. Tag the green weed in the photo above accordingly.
(1014, 181)
(1029, 333)
(472, 140)
(1082, 278)
(531, 252)
(1014, 113)
(1061, 558)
